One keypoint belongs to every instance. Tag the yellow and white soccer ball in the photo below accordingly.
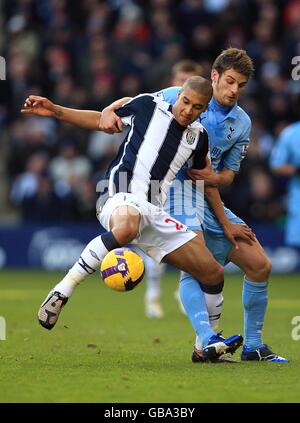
(122, 269)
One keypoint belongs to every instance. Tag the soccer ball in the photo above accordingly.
(122, 269)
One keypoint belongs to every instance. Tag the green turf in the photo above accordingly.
(104, 350)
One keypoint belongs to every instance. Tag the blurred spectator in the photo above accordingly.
(87, 54)
(43, 204)
(26, 184)
(69, 167)
(103, 147)
(183, 70)
(285, 162)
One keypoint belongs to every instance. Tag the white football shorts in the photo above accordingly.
(159, 233)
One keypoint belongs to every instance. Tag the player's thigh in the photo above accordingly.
(121, 210)
(219, 246)
(195, 258)
(125, 216)
(252, 259)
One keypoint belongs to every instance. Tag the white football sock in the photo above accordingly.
(214, 304)
(87, 264)
(154, 273)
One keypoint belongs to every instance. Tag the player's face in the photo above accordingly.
(189, 106)
(180, 78)
(228, 86)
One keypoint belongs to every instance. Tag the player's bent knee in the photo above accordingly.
(261, 269)
(216, 275)
(125, 232)
(212, 275)
(267, 267)
(264, 267)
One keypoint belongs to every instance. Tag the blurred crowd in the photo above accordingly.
(85, 54)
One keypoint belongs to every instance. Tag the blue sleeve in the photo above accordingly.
(281, 154)
(169, 94)
(232, 159)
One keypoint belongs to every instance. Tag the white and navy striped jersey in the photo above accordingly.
(154, 150)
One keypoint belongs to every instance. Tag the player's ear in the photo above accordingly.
(214, 75)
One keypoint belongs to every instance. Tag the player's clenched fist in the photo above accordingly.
(41, 106)
(110, 122)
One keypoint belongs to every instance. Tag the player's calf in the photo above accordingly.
(195, 258)
(211, 272)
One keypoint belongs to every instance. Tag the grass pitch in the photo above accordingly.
(104, 349)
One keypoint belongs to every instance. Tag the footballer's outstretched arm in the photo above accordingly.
(41, 106)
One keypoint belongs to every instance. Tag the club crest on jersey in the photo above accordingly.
(229, 136)
(190, 137)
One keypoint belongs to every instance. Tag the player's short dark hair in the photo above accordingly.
(234, 58)
(188, 66)
(199, 84)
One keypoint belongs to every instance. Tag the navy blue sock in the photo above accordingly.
(110, 241)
